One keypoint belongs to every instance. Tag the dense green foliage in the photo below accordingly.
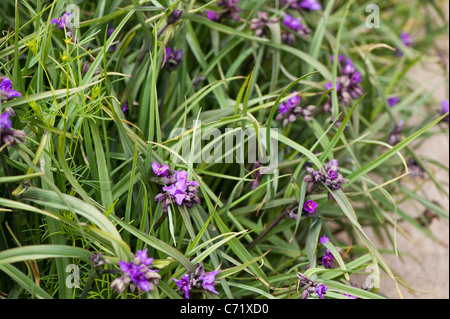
(82, 181)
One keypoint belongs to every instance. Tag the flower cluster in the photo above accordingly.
(197, 280)
(229, 10)
(309, 207)
(177, 187)
(9, 136)
(259, 24)
(312, 288)
(329, 175)
(172, 59)
(63, 23)
(295, 25)
(6, 90)
(348, 83)
(290, 110)
(327, 259)
(416, 169)
(309, 5)
(137, 273)
(394, 136)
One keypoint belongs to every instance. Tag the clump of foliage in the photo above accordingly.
(97, 201)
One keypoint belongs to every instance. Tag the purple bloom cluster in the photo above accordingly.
(329, 175)
(309, 207)
(327, 259)
(348, 83)
(172, 59)
(258, 24)
(295, 25)
(6, 90)
(197, 280)
(309, 5)
(63, 22)
(290, 110)
(311, 288)
(416, 169)
(229, 10)
(177, 187)
(9, 136)
(137, 273)
(394, 136)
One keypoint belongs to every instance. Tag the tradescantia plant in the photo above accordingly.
(100, 101)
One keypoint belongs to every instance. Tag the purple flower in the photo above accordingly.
(348, 83)
(310, 206)
(208, 281)
(416, 169)
(394, 136)
(213, 16)
(356, 77)
(283, 108)
(290, 110)
(9, 136)
(324, 239)
(327, 259)
(329, 86)
(341, 58)
(6, 90)
(295, 25)
(172, 59)
(444, 110)
(143, 259)
(291, 22)
(125, 107)
(228, 10)
(310, 5)
(329, 176)
(332, 174)
(407, 39)
(5, 122)
(260, 22)
(293, 101)
(177, 187)
(63, 21)
(321, 290)
(392, 101)
(137, 273)
(197, 280)
(159, 170)
(183, 284)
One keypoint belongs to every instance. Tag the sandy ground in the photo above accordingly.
(424, 263)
